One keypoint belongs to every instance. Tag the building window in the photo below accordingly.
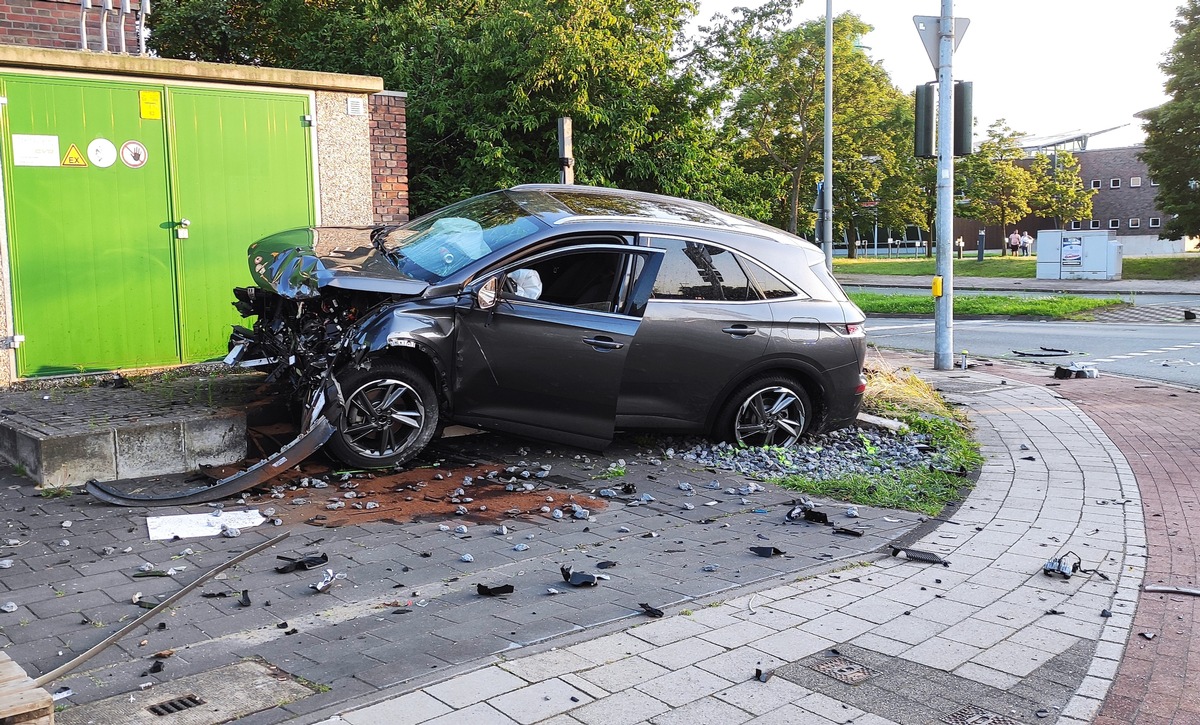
(1114, 223)
(1114, 183)
(1155, 222)
(1095, 183)
(1134, 223)
(1075, 225)
(1135, 181)
(1095, 224)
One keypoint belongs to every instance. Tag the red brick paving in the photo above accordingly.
(1158, 431)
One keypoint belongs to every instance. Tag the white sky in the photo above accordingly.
(1045, 66)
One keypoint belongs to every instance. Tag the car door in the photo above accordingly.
(705, 323)
(548, 358)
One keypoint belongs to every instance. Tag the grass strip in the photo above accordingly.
(899, 394)
(1058, 307)
(1185, 268)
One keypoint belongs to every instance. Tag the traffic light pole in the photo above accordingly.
(943, 305)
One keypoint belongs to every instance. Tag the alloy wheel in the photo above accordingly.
(773, 416)
(382, 417)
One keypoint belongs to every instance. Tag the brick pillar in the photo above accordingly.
(55, 24)
(389, 157)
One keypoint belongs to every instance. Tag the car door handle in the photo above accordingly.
(739, 330)
(602, 342)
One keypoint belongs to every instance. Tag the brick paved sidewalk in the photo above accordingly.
(1157, 428)
(988, 635)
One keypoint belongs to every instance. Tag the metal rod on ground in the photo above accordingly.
(54, 674)
(943, 306)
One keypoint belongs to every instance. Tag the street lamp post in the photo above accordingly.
(827, 220)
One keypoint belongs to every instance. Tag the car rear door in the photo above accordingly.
(548, 359)
(703, 326)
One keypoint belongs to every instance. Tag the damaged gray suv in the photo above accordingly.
(556, 312)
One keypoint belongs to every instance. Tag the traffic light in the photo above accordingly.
(925, 125)
(926, 121)
(964, 97)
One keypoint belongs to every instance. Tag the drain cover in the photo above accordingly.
(848, 671)
(971, 715)
(170, 707)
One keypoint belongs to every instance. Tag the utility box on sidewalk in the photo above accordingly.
(1078, 255)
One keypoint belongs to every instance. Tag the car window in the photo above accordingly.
(696, 271)
(769, 284)
(587, 280)
(439, 244)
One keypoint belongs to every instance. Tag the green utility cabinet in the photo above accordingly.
(99, 178)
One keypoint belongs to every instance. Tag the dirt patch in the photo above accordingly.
(426, 493)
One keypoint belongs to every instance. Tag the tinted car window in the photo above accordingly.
(769, 284)
(695, 271)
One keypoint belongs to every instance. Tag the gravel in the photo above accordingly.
(830, 455)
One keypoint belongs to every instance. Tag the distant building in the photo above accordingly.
(1125, 203)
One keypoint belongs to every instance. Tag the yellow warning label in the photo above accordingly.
(151, 104)
(74, 158)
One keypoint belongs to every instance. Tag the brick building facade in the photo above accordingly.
(389, 157)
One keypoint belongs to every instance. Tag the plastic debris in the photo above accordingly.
(66, 524)
(556, 514)
(710, 567)
(145, 566)
(1148, 635)
(577, 578)
(688, 506)
(485, 590)
(927, 557)
(654, 612)
(230, 532)
(467, 558)
(244, 599)
(766, 551)
(8, 607)
(6, 563)
(623, 530)
(327, 581)
(502, 530)
(685, 486)
(581, 513)
(607, 493)
(852, 512)
(606, 565)
(763, 675)
(460, 529)
(303, 563)
(521, 547)
(443, 527)
(552, 591)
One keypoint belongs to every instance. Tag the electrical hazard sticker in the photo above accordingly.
(74, 158)
(133, 154)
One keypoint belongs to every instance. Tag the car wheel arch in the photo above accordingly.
(807, 375)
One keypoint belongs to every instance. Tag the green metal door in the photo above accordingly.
(86, 194)
(242, 167)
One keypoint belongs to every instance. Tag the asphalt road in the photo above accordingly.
(1168, 353)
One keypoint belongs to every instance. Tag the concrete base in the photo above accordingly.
(67, 436)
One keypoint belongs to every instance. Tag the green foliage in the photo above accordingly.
(996, 189)
(1053, 307)
(1172, 150)
(1058, 191)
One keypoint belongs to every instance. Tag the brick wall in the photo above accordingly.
(1124, 202)
(389, 157)
(55, 24)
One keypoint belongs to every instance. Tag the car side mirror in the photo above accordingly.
(489, 294)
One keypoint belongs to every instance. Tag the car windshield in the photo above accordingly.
(439, 244)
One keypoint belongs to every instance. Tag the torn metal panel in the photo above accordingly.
(266, 469)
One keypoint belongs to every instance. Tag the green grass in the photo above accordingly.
(1017, 267)
(901, 395)
(1059, 307)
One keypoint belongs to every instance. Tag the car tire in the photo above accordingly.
(772, 410)
(391, 414)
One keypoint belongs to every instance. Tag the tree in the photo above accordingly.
(996, 189)
(1058, 192)
(776, 77)
(1172, 151)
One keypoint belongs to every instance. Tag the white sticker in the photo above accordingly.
(33, 150)
(102, 153)
(133, 154)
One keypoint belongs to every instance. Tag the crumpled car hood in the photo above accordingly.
(288, 264)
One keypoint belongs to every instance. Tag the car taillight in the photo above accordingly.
(862, 385)
(852, 329)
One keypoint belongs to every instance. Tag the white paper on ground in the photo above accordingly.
(188, 526)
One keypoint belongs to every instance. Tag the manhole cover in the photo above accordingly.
(848, 671)
(971, 715)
